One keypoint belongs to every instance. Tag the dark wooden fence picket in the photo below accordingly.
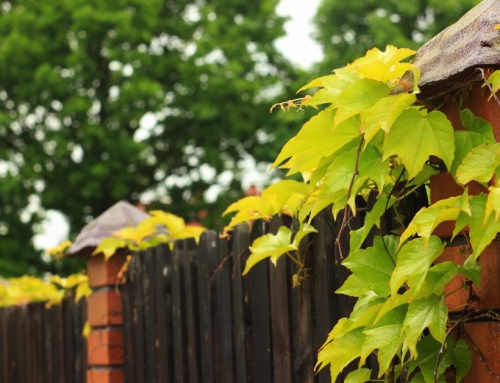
(40, 344)
(190, 316)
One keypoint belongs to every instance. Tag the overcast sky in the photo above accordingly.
(298, 45)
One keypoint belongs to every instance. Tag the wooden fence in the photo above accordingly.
(43, 345)
(190, 316)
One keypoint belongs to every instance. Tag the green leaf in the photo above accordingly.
(386, 337)
(316, 140)
(479, 131)
(428, 352)
(438, 277)
(340, 352)
(350, 103)
(481, 233)
(460, 356)
(479, 164)
(414, 260)
(471, 269)
(383, 114)
(372, 218)
(428, 218)
(415, 136)
(371, 269)
(429, 313)
(361, 375)
(270, 246)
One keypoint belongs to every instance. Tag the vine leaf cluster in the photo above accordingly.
(372, 136)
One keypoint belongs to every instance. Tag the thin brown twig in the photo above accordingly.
(481, 357)
(349, 192)
(488, 85)
(216, 271)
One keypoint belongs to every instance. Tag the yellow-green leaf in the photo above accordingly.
(270, 246)
(479, 164)
(429, 313)
(350, 103)
(414, 259)
(315, 141)
(340, 352)
(109, 246)
(492, 204)
(361, 375)
(428, 218)
(383, 114)
(415, 136)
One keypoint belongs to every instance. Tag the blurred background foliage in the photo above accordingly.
(164, 101)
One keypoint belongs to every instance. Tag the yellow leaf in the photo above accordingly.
(83, 290)
(109, 246)
(86, 330)
(172, 223)
(492, 204)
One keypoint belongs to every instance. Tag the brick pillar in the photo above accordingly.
(105, 342)
(460, 294)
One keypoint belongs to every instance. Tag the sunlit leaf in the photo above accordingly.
(386, 337)
(270, 246)
(340, 352)
(304, 230)
(372, 218)
(109, 246)
(371, 269)
(383, 114)
(429, 313)
(479, 164)
(481, 233)
(414, 259)
(415, 136)
(361, 375)
(479, 131)
(494, 80)
(492, 204)
(350, 103)
(315, 141)
(428, 218)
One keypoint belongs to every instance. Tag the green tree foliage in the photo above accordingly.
(79, 78)
(347, 29)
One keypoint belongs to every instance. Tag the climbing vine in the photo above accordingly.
(372, 138)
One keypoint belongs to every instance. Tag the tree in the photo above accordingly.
(347, 29)
(102, 101)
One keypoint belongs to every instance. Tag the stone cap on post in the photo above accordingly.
(120, 215)
(452, 55)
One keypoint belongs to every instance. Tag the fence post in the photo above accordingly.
(105, 342)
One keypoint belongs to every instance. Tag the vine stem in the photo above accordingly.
(488, 85)
(345, 218)
(391, 193)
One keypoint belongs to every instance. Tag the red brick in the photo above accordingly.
(105, 376)
(105, 308)
(486, 337)
(102, 272)
(487, 295)
(105, 347)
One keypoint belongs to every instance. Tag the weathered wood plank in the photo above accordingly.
(258, 282)
(207, 248)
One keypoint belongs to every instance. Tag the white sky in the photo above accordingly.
(297, 46)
